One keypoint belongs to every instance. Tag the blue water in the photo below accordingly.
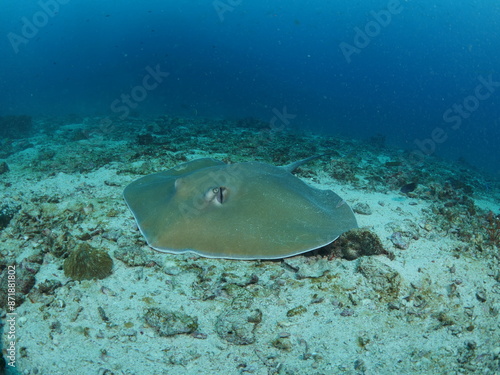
(241, 58)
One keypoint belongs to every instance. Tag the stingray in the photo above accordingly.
(245, 210)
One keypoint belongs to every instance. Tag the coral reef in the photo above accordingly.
(7, 212)
(432, 303)
(382, 278)
(15, 126)
(170, 323)
(86, 263)
(4, 168)
(492, 228)
(25, 273)
(356, 243)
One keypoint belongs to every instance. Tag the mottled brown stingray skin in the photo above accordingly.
(267, 213)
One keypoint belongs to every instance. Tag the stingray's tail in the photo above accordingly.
(293, 166)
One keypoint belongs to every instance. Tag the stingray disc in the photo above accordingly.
(237, 211)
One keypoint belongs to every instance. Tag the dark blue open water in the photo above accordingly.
(424, 74)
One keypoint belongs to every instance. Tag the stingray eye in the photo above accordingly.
(220, 194)
(217, 195)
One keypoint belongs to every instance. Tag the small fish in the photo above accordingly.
(393, 164)
(408, 188)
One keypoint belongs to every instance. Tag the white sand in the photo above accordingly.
(435, 324)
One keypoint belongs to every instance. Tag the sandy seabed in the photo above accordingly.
(431, 307)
